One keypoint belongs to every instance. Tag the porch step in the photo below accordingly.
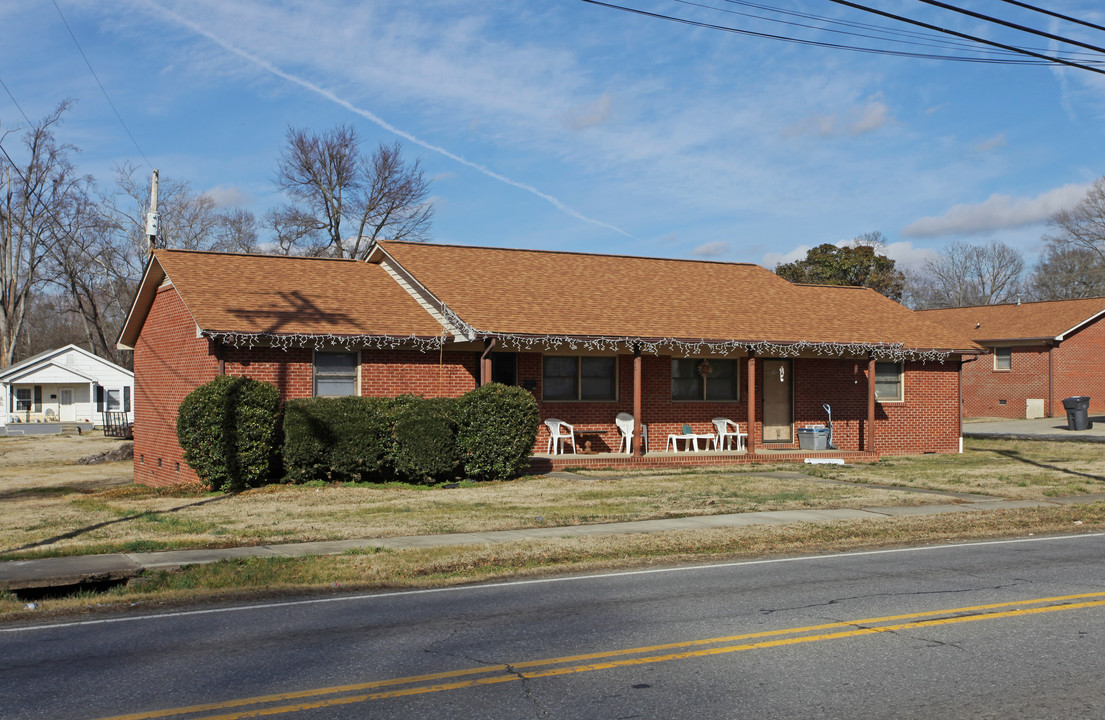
(659, 461)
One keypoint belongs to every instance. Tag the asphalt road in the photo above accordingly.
(994, 630)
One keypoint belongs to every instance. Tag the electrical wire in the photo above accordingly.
(1015, 26)
(102, 88)
(992, 43)
(837, 46)
(1060, 16)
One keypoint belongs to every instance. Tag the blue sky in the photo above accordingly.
(563, 125)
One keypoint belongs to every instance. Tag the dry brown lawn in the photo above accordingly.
(48, 505)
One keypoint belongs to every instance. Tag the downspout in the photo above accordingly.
(869, 439)
(485, 360)
(750, 446)
(639, 426)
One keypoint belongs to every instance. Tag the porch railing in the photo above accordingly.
(116, 424)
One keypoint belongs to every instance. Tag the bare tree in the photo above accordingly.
(342, 201)
(236, 231)
(1066, 272)
(37, 200)
(1082, 226)
(963, 275)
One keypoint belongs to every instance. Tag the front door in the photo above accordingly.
(778, 402)
(67, 412)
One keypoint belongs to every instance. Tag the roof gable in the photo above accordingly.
(55, 356)
(560, 294)
(1046, 320)
(281, 296)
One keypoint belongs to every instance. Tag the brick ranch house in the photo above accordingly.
(1037, 354)
(671, 342)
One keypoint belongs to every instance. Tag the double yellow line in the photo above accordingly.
(278, 704)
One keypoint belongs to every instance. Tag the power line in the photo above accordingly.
(837, 46)
(102, 88)
(927, 26)
(1060, 16)
(1015, 26)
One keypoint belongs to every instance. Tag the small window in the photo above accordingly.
(112, 397)
(1003, 358)
(888, 381)
(22, 398)
(335, 374)
(579, 378)
(704, 379)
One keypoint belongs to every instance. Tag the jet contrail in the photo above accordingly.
(372, 117)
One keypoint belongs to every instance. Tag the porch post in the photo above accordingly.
(638, 424)
(750, 445)
(869, 436)
(485, 360)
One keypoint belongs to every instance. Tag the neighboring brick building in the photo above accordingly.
(575, 329)
(1038, 354)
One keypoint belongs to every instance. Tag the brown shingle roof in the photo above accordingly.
(286, 295)
(530, 292)
(1036, 320)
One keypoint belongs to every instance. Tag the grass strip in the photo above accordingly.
(379, 569)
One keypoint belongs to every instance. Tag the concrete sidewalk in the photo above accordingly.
(65, 571)
(1053, 428)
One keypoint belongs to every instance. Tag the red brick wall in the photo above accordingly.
(169, 362)
(984, 388)
(388, 373)
(1079, 367)
(927, 421)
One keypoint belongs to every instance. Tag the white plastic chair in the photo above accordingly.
(725, 436)
(624, 421)
(557, 436)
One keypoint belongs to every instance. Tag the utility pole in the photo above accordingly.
(153, 219)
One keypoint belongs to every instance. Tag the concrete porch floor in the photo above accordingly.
(543, 462)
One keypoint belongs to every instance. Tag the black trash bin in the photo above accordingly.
(1078, 412)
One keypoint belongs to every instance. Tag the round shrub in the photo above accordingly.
(229, 432)
(496, 430)
(424, 432)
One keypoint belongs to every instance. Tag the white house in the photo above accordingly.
(65, 385)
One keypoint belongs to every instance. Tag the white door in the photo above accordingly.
(68, 411)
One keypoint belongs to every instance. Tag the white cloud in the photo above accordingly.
(714, 249)
(591, 114)
(858, 121)
(770, 260)
(226, 196)
(998, 141)
(996, 212)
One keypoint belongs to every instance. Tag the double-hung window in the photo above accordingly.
(712, 379)
(335, 374)
(579, 378)
(1003, 358)
(22, 398)
(888, 381)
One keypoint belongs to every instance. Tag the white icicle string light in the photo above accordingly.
(892, 352)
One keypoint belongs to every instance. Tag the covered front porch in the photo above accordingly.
(545, 462)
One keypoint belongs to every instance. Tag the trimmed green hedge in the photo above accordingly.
(337, 439)
(229, 431)
(424, 439)
(497, 427)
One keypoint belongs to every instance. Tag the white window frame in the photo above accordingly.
(23, 404)
(900, 397)
(356, 375)
(1008, 359)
